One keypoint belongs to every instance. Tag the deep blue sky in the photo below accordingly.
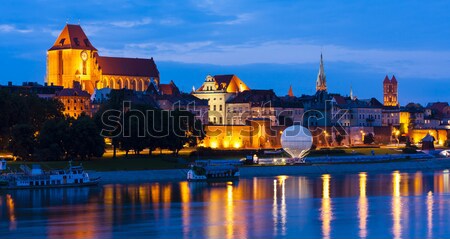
(268, 44)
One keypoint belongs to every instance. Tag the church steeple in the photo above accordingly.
(351, 92)
(321, 83)
(290, 93)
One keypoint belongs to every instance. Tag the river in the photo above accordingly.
(366, 205)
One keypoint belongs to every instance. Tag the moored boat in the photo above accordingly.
(205, 171)
(35, 177)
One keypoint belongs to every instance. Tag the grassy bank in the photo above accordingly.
(165, 160)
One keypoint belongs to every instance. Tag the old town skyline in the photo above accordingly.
(187, 58)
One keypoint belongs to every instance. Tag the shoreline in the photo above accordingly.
(142, 176)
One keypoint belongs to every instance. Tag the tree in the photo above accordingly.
(22, 141)
(84, 139)
(183, 129)
(369, 139)
(52, 141)
(339, 139)
(25, 108)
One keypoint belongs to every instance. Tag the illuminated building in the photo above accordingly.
(73, 58)
(217, 90)
(390, 91)
(262, 104)
(75, 101)
(321, 82)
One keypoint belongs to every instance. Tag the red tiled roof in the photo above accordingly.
(394, 80)
(168, 89)
(127, 66)
(72, 37)
(340, 100)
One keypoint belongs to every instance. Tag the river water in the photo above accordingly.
(366, 205)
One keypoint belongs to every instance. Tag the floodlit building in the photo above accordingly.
(217, 90)
(73, 58)
(75, 101)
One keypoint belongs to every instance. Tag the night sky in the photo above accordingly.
(268, 44)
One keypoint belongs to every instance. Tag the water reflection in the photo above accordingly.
(396, 205)
(326, 211)
(430, 214)
(362, 205)
(257, 207)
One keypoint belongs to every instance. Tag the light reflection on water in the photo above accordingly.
(364, 205)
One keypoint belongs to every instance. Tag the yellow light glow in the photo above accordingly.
(226, 144)
(214, 144)
(237, 144)
(396, 205)
(430, 214)
(326, 214)
(362, 205)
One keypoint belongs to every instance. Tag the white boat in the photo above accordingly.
(210, 172)
(73, 176)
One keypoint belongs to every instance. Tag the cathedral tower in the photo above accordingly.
(71, 59)
(321, 83)
(390, 90)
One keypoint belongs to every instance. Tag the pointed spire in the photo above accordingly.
(321, 83)
(290, 93)
(393, 79)
(386, 79)
(351, 92)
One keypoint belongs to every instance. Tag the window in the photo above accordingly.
(84, 67)
(214, 107)
(220, 120)
(220, 107)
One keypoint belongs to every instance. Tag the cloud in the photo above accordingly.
(239, 19)
(8, 28)
(170, 21)
(408, 63)
(170, 48)
(129, 24)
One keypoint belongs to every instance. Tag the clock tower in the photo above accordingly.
(71, 59)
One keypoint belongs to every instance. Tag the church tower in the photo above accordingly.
(321, 83)
(390, 91)
(71, 58)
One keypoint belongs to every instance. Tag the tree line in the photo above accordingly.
(33, 128)
(139, 126)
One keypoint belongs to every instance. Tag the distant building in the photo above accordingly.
(263, 104)
(358, 112)
(217, 90)
(391, 107)
(73, 58)
(169, 97)
(321, 82)
(42, 91)
(75, 101)
(437, 115)
(390, 91)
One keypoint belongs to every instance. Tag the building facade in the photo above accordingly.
(390, 91)
(73, 58)
(217, 90)
(76, 101)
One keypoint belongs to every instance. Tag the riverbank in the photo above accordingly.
(140, 176)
